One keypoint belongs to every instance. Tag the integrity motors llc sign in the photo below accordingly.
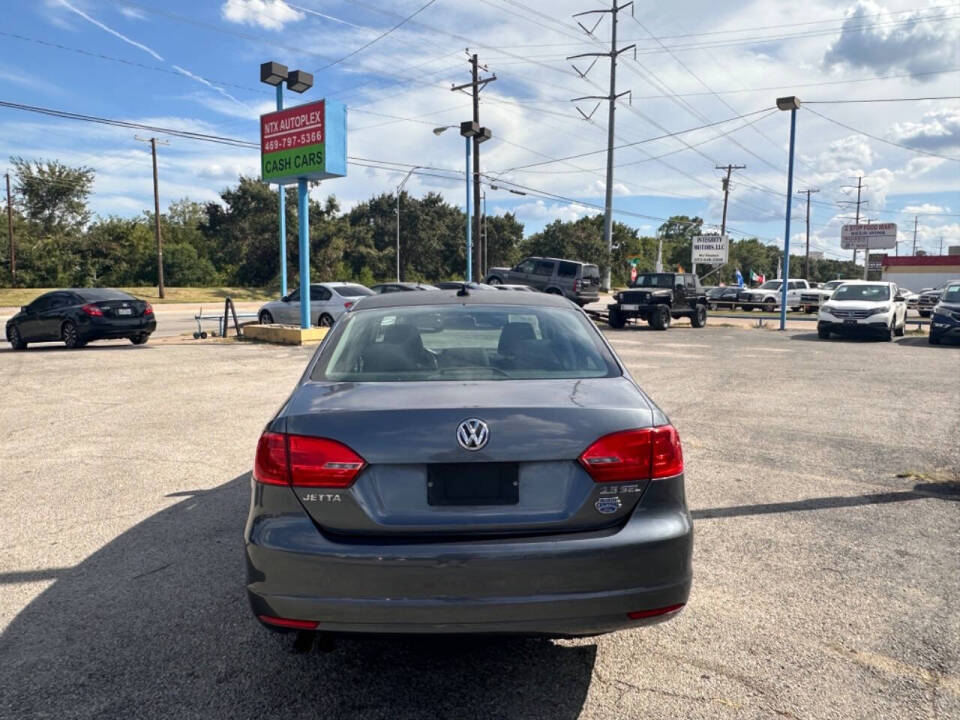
(307, 141)
(710, 249)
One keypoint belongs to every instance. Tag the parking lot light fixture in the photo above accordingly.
(790, 103)
(299, 81)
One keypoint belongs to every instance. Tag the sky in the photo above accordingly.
(195, 66)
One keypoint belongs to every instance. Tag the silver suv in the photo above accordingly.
(577, 281)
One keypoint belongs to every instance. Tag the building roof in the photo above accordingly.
(921, 260)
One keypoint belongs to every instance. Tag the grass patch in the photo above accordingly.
(15, 297)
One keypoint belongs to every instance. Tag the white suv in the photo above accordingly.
(862, 307)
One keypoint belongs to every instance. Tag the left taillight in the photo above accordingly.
(641, 454)
(305, 461)
(92, 310)
(347, 305)
(148, 310)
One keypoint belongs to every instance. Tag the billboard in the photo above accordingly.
(306, 141)
(876, 236)
(710, 249)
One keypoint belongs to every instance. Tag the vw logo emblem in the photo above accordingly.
(472, 434)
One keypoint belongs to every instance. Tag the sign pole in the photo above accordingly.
(303, 217)
(282, 190)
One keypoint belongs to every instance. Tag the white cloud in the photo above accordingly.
(268, 14)
(937, 130)
(925, 208)
(540, 210)
(918, 42)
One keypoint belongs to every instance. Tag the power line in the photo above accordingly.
(880, 139)
(880, 100)
(378, 37)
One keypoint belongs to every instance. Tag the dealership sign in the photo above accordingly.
(307, 141)
(877, 236)
(710, 249)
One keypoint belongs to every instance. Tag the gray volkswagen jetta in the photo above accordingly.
(467, 462)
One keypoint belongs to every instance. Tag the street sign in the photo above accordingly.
(710, 249)
(306, 141)
(876, 236)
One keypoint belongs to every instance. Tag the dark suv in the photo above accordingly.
(656, 298)
(574, 280)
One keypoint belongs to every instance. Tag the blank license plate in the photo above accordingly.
(849, 321)
(124, 311)
(473, 484)
(630, 307)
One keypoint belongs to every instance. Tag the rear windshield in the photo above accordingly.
(98, 294)
(862, 292)
(352, 290)
(590, 271)
(464, 342)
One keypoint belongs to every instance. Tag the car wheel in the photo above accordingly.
(808, 310)
(140, 339)
(494, 280)
(769, 306)
(660, 319)
(70, 336)
(888, 335)
(823, 333)
(616, 319)
(900, 329)
(266, 318)
(552, 291)
(699, 317)
(16, 340)
(325, 320)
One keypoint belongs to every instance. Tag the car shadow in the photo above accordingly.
(856, 339)
(156, 624)
(60, 347)
(921, 491)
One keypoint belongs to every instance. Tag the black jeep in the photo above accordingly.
(658, 297)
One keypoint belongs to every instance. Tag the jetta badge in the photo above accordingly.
(472, 434)
(607, 505)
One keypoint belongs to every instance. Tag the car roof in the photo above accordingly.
(94, 294)
(868, 282)
(451, 297)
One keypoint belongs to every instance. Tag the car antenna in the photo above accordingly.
(463, 291)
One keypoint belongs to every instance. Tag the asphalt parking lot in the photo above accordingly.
(824, 480)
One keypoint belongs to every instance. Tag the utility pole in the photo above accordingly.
(941, 246)
(915, 219)
(13, 255)
(726, 195)
(477, 84)
(860, 187)
(611, 98)
(806, 259)
(156, 211)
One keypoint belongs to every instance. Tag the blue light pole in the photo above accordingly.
(790, 103)
(468, 142)
(303, 217)
(282, 196)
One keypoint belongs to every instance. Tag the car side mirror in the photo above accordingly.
(899, 298)
(285, 298)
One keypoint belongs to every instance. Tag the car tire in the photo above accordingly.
(808, 310)
(888, 335)
(265, 317)
(553, 291)
(699, 317)
(70, 336)
(494, 280)
(900, 329)
(769, 306)
(140, 339)
(616, 319)
(823, 333)
(660, 319)
(15, 338)
(325, 320)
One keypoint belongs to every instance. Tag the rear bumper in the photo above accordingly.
(574, 584)
(105, 329)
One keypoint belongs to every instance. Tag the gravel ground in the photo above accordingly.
(822, 478)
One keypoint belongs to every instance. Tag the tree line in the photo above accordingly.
(59, 243)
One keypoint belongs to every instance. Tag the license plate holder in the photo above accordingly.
(124, 311)
(850, 321)
(629, 307)
(450, 484)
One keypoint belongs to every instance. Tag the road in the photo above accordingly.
(822, 477)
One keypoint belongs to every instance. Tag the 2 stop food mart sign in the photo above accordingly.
(307, 141)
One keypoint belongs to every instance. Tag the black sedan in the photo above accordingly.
(724, 297)
(78, 316)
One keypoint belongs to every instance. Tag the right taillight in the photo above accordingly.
(634, 455)
(305, 461)
(92, 310)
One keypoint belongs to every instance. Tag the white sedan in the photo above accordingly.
(328, 301)
(860, 307)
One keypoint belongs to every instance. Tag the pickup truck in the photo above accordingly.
(815, 297)
(767, 296)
